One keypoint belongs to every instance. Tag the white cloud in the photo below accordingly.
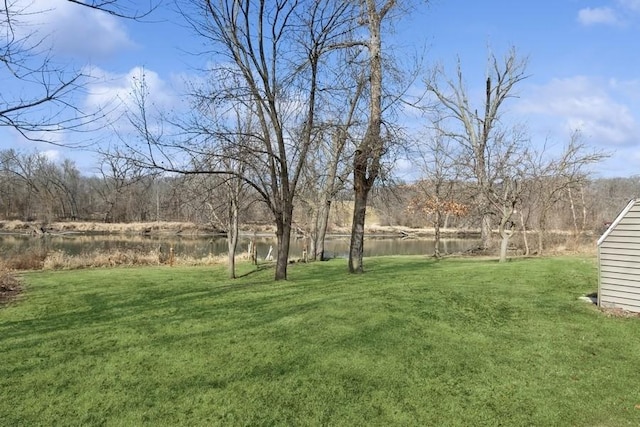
(113, 94)
(597, 15)
(52, 155)
(110, 88)
(619, 12)
(586, 104)
(74, 30)
(629, 89)
(405, 169)
(633, 5)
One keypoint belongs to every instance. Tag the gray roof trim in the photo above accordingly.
(621, 215)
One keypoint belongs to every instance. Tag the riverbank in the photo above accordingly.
(166, 227)
(66, 227)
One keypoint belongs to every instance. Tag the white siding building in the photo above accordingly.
(619, 261)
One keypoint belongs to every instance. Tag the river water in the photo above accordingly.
(201, 246)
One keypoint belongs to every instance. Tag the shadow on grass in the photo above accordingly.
(152, 310)
(174, 306)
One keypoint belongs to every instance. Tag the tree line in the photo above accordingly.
(37, 188)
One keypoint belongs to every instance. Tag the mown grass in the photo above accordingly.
(410, 342)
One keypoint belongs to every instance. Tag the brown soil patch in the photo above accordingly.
(618, 312)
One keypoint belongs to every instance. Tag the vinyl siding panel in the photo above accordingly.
(627, 226)
(614, 282)
(621, 255)
(623, 238)
(623, 290)
(627, 266)
(634, 212)
(619, 248)
(619, 295)
(625, 235)
(619, 258)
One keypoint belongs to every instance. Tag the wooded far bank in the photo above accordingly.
(38, 192)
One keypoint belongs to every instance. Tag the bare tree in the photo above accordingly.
(118, 175)
(369, 152)
(267, 64)
(226, 195)
(506, 175)
(326, 173)
(58, 184)
(222, 200)
(552, 178)
(439, 163)
(40, 187)
(297, 37)
(476, 132)
(21, 172)
(45, 103)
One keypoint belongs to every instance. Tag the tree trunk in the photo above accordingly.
(232, 260)
(283, 236)
(436, 229)
(505, 229)
(356, 247)
(232, 239)
(366, 162)
(574, 217)
(541, 229)
(485, 231)
(524, 234)
(504, 244)
(312, 238)
(323, 223)
(584, 210)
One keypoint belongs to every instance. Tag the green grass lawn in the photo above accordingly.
(411, 342)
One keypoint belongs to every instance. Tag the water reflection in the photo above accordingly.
(200, 246)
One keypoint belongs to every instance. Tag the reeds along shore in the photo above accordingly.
(36, 259)
(11, 286)
(58, 260)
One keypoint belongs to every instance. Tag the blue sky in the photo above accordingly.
(584, 63)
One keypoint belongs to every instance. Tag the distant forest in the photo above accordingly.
(35, 188)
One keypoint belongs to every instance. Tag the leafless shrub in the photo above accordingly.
(10, 286)
(33, 259)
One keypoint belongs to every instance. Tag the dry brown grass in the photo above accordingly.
(573, 248)
(10, 286)
(341, 215)
(129, 258)
(33, 259)
(59, 260)
(15, 225)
